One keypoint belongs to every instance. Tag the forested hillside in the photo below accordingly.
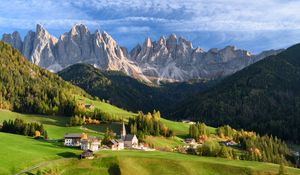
(127, 92)
(25, 87)
(264, 97)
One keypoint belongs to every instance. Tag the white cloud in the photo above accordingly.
(188, 15)
(250, 19)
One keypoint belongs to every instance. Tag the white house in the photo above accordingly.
(92, 143)
(190, 141)
(116, 144)
(72, 139)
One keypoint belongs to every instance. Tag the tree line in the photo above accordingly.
(149, 124)
(18, 126)
(254, 147)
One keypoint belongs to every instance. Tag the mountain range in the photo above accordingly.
(169, 59)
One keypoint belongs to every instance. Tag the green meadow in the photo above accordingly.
(21, 152)
(138, 162)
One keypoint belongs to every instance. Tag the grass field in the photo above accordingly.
(118, 112)
(20, 152)
(56, 125)
(138, 162)
(162, 142)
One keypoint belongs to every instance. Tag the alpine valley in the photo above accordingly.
(83, 104)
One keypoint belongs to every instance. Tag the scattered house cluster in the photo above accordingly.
(87, 143)
(83, 140)
(91, 144)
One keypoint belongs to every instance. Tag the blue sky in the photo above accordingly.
(254, 25)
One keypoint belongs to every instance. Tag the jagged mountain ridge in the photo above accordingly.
(168, 59)
(176, 59)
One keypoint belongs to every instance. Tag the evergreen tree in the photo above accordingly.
(282, 170)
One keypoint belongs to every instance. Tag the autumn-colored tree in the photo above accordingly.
(37, 134)
(84, 136)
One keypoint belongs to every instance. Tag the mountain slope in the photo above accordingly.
(165, 60)
(28, 88)
(127, 92)
(264, 97)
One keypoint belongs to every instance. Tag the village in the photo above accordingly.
(91, 144)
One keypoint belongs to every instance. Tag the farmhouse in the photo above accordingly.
(91, 143)
(190, 141)
(188, 121)
(73, 139)
(88, 154)
(229, 143)
(115, 144)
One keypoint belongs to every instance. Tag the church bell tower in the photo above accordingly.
(123, 132)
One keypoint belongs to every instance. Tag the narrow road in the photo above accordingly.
(38, 166)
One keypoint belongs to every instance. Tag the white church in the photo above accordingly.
(130, 141)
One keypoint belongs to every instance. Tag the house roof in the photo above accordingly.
(73, 135)
(189, 139)
(129, 137)
(87, 153)
(113, 141)
(120, 141)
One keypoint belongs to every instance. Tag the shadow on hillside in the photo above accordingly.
(67, 155)
(114, 169)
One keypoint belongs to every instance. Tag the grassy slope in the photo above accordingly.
(28, 152)
(56, 125)
(19, 152)
(136, 162)
(118, 112)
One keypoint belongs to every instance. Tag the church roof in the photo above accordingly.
(129, 137)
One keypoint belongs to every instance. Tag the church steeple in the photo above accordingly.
(123, 132)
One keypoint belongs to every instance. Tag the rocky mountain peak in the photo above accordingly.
(148, 42)
(171, 42)
(14, 39)
(167, 59)
(79, 29)
(162, 41)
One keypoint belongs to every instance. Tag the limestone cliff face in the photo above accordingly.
(175, 59)
(171, 59)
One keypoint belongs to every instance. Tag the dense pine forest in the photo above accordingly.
(264, 97)
(25, 87)
(129, 93)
